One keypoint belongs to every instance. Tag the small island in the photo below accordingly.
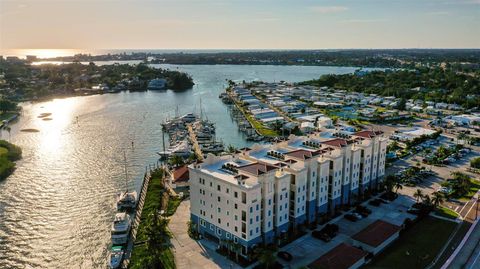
(22, 81)
(9, 153)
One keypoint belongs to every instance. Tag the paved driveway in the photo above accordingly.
(191, 254)
(307, 249)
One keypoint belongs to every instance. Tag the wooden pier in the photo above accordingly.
(136, 221)
(196, 146)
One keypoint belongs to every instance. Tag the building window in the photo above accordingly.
(228, 234)
(235, 239)
(219, 232)
(219, 199)
(244, 197)
(236, 206)
(235, 194)
(218, 188)
(228, 190)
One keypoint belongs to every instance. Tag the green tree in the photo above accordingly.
(418, 195)
(475, 163)
(176, 161)
(266, 255)
(437, 199)
(398, 186)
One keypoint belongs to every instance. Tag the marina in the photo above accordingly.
(89, 164)
(190, 134)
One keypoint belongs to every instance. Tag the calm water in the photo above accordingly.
(56, 209)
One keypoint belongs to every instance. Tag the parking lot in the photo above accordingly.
(307, 248)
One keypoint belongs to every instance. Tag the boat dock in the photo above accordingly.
(193, 139)
(136, 221)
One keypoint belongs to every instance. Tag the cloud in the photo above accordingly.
(329, 9)
(363, 21)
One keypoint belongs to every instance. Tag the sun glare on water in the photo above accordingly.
(47, 53)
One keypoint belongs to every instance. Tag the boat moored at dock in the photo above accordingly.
(121, 228)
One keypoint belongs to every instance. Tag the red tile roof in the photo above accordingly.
(257, 168)
(337, 142)
(301, 154)
(368, 134)
(342, 256)
(376, 233)
(181, 174)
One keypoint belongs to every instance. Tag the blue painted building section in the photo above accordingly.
(373, 183)
(345, 194)
(282, 229)
(354, 194)
(299, 220)
(335, 203)
(323, 209)
(219, 233)
(269, 237)
(311, 210)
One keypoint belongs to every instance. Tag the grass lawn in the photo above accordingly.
(471, 192)
(173, 203)
(257, 124)
(417, 247)
(142, 253)
(446, 212)
(151, 205)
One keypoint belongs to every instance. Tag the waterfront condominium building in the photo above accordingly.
(259, 194)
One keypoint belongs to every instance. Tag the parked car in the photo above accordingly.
(374, 203)
(330, 229)
(350, 217)
(285, 256)
(322, 236)
(361, 208)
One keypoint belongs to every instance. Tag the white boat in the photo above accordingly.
(157, 84)
(121, 228)
(127, 200)
(116, 257)
(181, 149)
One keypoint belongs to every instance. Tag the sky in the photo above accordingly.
(238, 24)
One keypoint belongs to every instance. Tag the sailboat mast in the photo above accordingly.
(126, 171)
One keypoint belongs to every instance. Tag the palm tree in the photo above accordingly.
(389, 183)
(231, 149)
(176, 160)
(418, 195)
(398, 186)
(266, 256)
(437, 199)
(8, 130)
(427, 200)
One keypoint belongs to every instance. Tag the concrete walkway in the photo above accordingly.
(190, 254)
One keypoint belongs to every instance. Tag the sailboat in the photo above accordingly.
(126, 200)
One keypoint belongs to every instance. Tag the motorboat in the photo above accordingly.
(121, 228)
(127, 200)
(157, 84)
(181, 149)
(116, 257)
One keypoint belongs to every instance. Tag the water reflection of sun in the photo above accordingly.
(47, 53)
(52, 139)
